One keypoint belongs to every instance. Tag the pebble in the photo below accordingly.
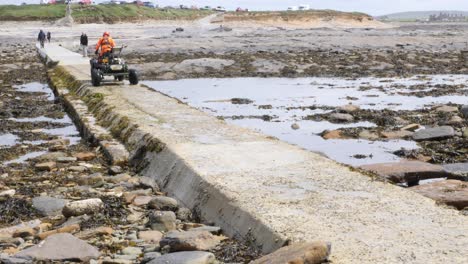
(163, 203)
(190, 240)
(46, 166)
(77, 208)
(114, 170)
(132, 251)
(162, 220)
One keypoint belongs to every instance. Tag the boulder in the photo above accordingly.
(303, 253)
(349, 108)
(162, 220)
(60, 247)
(366, 134)
(455, 120)
(333, 134)
(150, 236)
(464, 111)
(85, 156)
(48, 206)
(190, 240)
(77, 208)
(341, 118)
(457, 168)
(407, 171)
(450, 192)
(95, 232)
(46, 166)
(114, 170)
(446, 109)
(411, 127)
(396, 134)
(192, 257)
(163, 203)
(435, 133)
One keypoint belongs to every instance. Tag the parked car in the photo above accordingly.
(220, 9)
(149, 4)
(205, 8)
(242, 10)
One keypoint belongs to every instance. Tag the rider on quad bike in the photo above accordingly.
(105, 44)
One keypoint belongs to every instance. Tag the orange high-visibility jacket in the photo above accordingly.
(106, 46)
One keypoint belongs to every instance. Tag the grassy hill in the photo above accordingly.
(96, 13)
(292, 15)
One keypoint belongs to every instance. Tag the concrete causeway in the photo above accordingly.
(258, 188)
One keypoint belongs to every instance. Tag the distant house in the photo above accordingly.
(293, 8)
(304, 7)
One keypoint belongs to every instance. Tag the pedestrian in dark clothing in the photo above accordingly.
(41, 38)
(48, 36)
(84, 44)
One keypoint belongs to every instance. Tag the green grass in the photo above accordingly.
(97, 13)
(31, 12)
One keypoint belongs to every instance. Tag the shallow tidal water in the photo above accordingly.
(287, 101)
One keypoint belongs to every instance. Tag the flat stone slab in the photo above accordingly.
(311, 253)
(407, 171)
(60, 247)
(253, 186)
(450, 192)
(191, 257)
(457, 168)
(435, 133)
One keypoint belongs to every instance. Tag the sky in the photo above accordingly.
(372, 7)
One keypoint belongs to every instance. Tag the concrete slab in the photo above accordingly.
(269, 191)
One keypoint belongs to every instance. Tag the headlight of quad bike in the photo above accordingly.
(105, 60)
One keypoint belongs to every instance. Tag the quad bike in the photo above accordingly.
(110, 64)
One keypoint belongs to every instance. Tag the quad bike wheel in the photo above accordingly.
(133, 77)
(119, 78)
(96, 77)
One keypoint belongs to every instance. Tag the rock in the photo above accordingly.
(53, 156)
(149, 257)
(66, 229)
(162, 220)
(455, 120)
(132, 251)
(48, 206)
(349, 108)
(396, 134)
(464, 111)
(201, 65)
(446, 109)
(147, 182)
(215, 230)
(6, 259)
(60, 247)
(457, 168)
(150, 236)
(75, 220)
(7, 193)
(465, 132)
(407, 171)
(130, 196)
(184, 214)
(295, 126)
(411, 127)
(366, 134)
(303, 253)
(450, 192)
(89, 206)
(193, 257)
(123, 177)
(46, 166)
(341, 118)
(142, 200)
(333, 134)
(77, 168)
(94, 179)
(60, 141)
(85, 156)
(117, 261)
(114, 170)
(435, 133)
(66, 159)
(163, 203)
(57, 148)
(96, 232)
(241, 101)
(190, 240)
(24, 232)
(8, 231)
